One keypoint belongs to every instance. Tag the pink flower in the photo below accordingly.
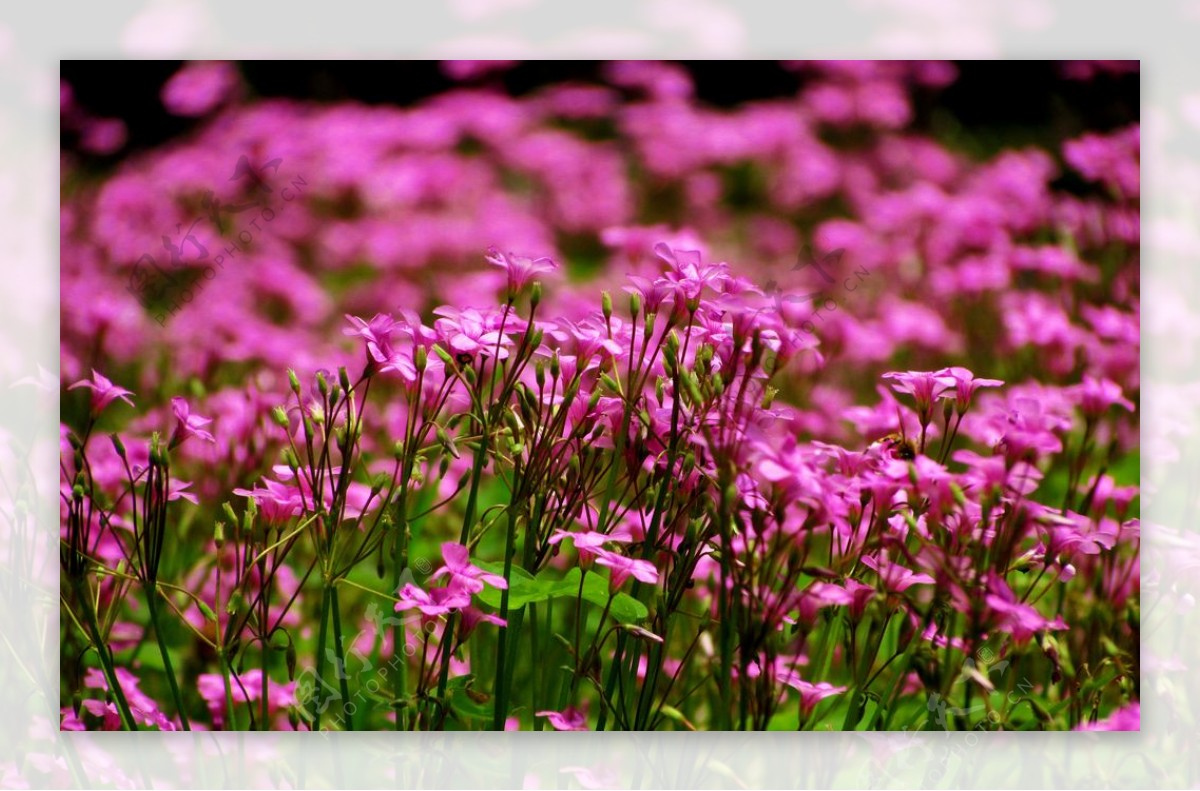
(923, 386)
(104, 392)
(964, 384)
(1021, 620)
(810, 694)
(589, 543)
(895, 578)
(569, 719)
(1095, 396)
(623, 567)
(462, 574)
(1126, 718)
(248, 686)
(519, 268)
(438, 601)
(189, 425)
(199, 87)
(468, 332)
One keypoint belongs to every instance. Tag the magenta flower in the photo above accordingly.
(248, 687)
(589, 543)
(104, 392)
(623, 567)
(1096, 396)
(1021, 620)
(462, 574)
(199, 87)
(1126, 718)
(895, 578)
(188, 425)
(438, 601)
(569, 719)
(810, 694)
(520, 269)
(468, 332)
(923, 386)
(963, 384)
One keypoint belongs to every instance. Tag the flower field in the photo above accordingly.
(601, 404)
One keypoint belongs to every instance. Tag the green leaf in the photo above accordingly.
(524, 589)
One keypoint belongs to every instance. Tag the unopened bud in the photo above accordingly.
(294, 381)
(535, 294)
(119, 446)
(398, 450)
(420, 358)
(444, 355)
(280, 417)
(227, 509)
(539, 374)
(219, 534)
(635, 304)
(555, 365)
(606, 305)
(322, 385)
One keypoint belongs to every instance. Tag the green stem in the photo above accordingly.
(152, 606)
(468, 523)
(231, 724)
(500, 713)
(343, 681)
(320, 702)
(106, 662)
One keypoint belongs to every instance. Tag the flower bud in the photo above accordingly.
(118, 446)
(322, 385)
(420, 358)
(673, 343)
(444, 355)
(606, 305)
(539, 374)
(219, 534)
(769, 396)
(610, 383)
(555, 366)
(294, 381)
(398, 450)
(280, 417)
(344, 378)
(635, 305)
(535, 294)
(227, 509)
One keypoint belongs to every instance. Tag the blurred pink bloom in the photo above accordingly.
(895, 578)
(569, 719)
(188, 425)
(104, 392)
(623, 567)
(1095, 396)
(520, 269)
(199, 87)
(1126, 718)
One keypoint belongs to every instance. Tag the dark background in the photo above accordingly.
(992, 104)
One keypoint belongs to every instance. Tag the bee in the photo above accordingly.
(898, 442)
(900, 445)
